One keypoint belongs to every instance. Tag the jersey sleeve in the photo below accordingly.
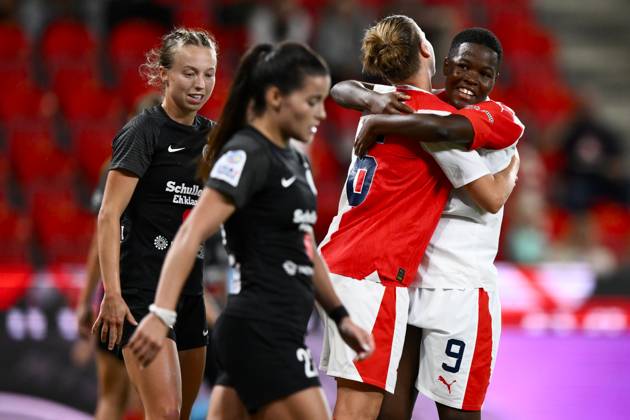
(495, 125)
(461, 167)
(239, 173)
(133, 146)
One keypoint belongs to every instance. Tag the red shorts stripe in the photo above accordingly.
(479, 377)
(374, 369)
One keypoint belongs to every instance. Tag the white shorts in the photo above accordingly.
(383, 311)
(460, 338)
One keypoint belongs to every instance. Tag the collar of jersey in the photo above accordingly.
(410, 87)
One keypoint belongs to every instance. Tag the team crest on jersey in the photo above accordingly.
(229, 167)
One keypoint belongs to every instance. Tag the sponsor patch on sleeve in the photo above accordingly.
(229, 167)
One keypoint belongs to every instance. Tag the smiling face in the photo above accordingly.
(189, 82)
(302, 110)
(471, 72)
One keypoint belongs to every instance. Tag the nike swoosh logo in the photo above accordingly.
(205, 332)
(172, 150)
(286, 183)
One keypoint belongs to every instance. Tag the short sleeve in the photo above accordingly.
(495, 125)
(461, 167)
(133, 146)
(239, 173)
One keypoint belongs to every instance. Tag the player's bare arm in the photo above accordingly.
(118, 191)
(360, 96)
(454, 129)
(491, 192)
(84, 312)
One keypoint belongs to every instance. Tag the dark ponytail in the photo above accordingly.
(284, 66)
(234, 111)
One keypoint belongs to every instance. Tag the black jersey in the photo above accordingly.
(164, 155)
(269, 235)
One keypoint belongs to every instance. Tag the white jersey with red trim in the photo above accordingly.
(464, 245)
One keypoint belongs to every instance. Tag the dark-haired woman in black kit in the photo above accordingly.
(262, 191)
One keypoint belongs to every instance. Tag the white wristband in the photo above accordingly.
(167, 316)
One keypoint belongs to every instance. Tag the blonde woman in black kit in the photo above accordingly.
(261, 189)
(151, 187)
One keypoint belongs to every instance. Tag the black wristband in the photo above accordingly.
(338, 313)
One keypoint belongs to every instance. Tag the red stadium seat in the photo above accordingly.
(68, 43)
(15, 49)
(92, 147)
(16, 282)
(611, 220)
(92, 103)
(130, 41)
(132, 87)
(64, 229)
(23, 102)
(37, 159)
(5, 170)
(16, 229)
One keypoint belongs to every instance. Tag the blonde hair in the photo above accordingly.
(390, 48)
(164, 55)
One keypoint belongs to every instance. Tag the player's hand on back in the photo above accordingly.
(366, 136)
(111, 319)
(148, 339)
(388, 103)
(357, 338)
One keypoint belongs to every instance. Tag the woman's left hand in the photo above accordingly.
(148, 339)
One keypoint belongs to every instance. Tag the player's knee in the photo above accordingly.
(356, 409)
(165, 411)
(115, 398)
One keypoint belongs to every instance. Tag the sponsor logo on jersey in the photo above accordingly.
(292, 269)
(183, 193)
(287, 182)
(229, 167)
(304, 217)
(160, 242)
(448, 386)
(171, 149)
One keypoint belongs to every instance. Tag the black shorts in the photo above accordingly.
(190, 330)
(263, 362)
(211, 370)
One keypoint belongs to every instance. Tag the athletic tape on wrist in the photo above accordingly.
(167, 316)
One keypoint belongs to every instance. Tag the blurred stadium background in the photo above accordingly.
(69, 80)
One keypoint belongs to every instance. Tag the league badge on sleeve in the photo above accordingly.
(229, 167)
